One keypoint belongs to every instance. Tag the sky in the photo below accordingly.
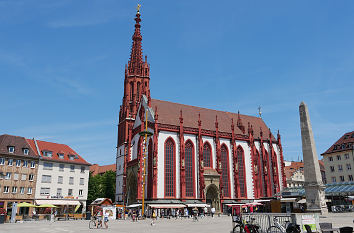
(62, 65)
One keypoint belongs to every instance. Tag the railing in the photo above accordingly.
(267, 220)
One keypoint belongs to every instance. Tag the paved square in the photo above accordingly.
(204, 225)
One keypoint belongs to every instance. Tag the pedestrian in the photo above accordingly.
(205, 211)
(212, 212)
(195, 214)
(106, 215)
(153, 218)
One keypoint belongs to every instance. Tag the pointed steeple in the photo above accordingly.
(136, 55)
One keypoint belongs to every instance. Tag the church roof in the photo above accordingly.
(169, 113)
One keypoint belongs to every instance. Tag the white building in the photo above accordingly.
(62, 177)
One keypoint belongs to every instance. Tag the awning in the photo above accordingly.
(198, 205)
(133, 205)
(290, 199)
(58, 202)
(167, 206)
(238, 204)
(302, 201)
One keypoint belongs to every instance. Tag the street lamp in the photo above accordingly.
(146, 134)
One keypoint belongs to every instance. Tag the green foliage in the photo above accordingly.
(101, 186)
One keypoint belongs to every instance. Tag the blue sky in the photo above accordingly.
(62, 65)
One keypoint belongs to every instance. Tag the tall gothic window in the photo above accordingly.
(207, 155)
(225, 171)
(131, 91)
(170, 168)
(138, 90)
(188, 156)
(265, 173)
(241, 171)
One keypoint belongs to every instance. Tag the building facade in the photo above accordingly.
(195, 154)
(18, 172)
(62, 177)
(339, 160)
(294, 172)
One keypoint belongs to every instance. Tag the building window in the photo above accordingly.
(11, 149)
(241, 171)
(33, 164)
(47, 166)
(25, 163)
(82, 169)
(60, 179)
(59, 192)
(207, 155)
(332, 168)
(82, 181)
(6, 189)
(349, 166)
(22, 190)
(71, 180)
(334, 179)
(341, 178)
(338, 157)
(16, 176)
(29, 190)
(23, 177)
(72, 168)
(340, 167)
(25, 151)
(170, 168)
(80, 192)
(46, 179)
(45, 191)
(8, 176)
(30, 177)
(61, 167)
(188, 157)
(346, 156)
(18, 163)
(47, 153)
(71, 157)
(70, 192)
(14, 189)
(330, 158)
(350, 177)
(225, 171)
(10, 162)
(2, 161)
(61, 156)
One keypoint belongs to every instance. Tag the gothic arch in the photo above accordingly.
(189, 168)
(132, 187)
(225, 171)
(170, 167)
(241, 171)
(207, 155)
(212, 196)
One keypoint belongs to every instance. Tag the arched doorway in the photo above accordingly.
(131, 188)
(213, 197)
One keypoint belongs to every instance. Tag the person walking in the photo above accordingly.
(153, 218)
(105, 219)
(212, 212)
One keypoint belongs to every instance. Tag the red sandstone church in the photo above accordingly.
(195, 154)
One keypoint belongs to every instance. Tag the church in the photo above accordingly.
(195, 155)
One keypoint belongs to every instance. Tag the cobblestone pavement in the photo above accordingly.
(207, 224)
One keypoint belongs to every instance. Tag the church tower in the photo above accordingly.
(136, 84)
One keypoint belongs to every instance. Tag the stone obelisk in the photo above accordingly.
(314, 187)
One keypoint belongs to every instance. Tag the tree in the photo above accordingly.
(101, 186)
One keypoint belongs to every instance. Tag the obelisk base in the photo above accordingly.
(315, 199)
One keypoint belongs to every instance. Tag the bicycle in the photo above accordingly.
(288, 228)
(244, 227)
(94, 223)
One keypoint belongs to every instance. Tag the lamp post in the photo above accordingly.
(146, 134)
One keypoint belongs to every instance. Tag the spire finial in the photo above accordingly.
(259, 111)
(138, 9)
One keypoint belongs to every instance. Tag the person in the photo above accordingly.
(105, 219)
(99, 217)
(195, 214)
(153, 218)
(212, 212)
(205, 211)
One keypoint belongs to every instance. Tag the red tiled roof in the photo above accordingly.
(169, 113)
(347, 140)
(96, 169)
(294, 166)
(18, 142)
(57, 148)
